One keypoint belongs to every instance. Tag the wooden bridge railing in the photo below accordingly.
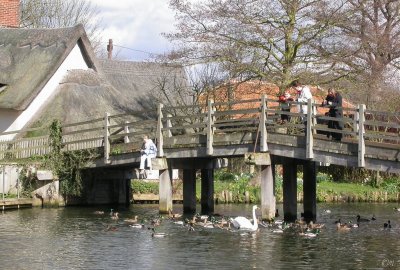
(123, 133)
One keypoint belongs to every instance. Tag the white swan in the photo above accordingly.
(243, 223)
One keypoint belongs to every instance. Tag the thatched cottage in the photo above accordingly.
(53, 73)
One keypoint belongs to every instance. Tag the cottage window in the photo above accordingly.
(2, 87)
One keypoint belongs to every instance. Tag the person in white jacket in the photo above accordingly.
(303, 95)
(148, 151)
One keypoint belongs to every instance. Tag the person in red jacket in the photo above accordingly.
(284, 101)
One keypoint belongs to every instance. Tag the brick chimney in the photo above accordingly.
(9, 13)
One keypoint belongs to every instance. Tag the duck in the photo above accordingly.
(387, 225)
(342, 227)
(396, 209)
(313, 225)
(115, 216)
(276, 213)
(157, 235)
(179, 222)
(243, 223)
(373, 217)
(360, 219)
(111, 228)
(98, 212)
(137, 226)
(327, 211)
(130, 220)
(173, 215)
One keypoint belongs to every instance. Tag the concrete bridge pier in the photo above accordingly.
(289, 189)
(207, 190)
(165, 191)
(310, 190)
(189, 191)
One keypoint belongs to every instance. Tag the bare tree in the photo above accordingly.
(367, 44)
(61, 13)
(263, 39)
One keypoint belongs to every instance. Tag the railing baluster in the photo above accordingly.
(210, 130)
(262, 125)
(126, 130)
(106, 138)
(160, 140)
(169, 126)
(361, 139)
(309, 134)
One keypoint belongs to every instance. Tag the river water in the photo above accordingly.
(76, 238)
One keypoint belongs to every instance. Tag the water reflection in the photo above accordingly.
(76, 238)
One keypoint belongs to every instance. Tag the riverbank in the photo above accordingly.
(242, 190)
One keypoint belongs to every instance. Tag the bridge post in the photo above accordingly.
(361, 139)
(189, 191)
(160, 140)
(268, 204)
(165, 191)
(310, 190)
(126, 130)
(289, 189)
(210, 129)
(309, 134)
(106, 138)
(262, 125)
(207, 190)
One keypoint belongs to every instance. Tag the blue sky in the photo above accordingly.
(136, 24)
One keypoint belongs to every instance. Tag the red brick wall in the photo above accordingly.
(9, 13)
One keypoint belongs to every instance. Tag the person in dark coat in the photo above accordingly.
(334, 102)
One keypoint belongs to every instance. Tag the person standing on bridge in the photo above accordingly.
(303, 95)
(334, 101)
(148, 151)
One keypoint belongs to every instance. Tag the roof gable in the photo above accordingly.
(30, 57)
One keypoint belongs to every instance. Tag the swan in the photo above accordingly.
(243, 223)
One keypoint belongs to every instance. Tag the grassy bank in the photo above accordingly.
(242, 188)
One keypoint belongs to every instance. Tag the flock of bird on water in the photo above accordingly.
(240, 223)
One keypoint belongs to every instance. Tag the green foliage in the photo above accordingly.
(28, 181)
(391, 185)
(143, 187)
(67, 165)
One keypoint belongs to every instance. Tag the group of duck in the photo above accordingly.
(306, 229)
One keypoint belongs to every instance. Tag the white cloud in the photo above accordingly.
(136, 24)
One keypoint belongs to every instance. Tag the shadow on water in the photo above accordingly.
(78, 238)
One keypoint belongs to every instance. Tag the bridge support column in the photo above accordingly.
(268, 203)
(189, 191)
(310, 190)
(289, 190)
(165, 191)
(207, 191)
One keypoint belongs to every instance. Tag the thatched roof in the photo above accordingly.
(30, 57)
(142, 82)
(82, 95)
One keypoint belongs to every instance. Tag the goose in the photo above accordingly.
(111, 212)
(373, 217)
(243, 223)
(352, 225)
(130, 220)
(396, 209)
(387, 225)
(98, 212)
(360, 219)
(327, 211)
